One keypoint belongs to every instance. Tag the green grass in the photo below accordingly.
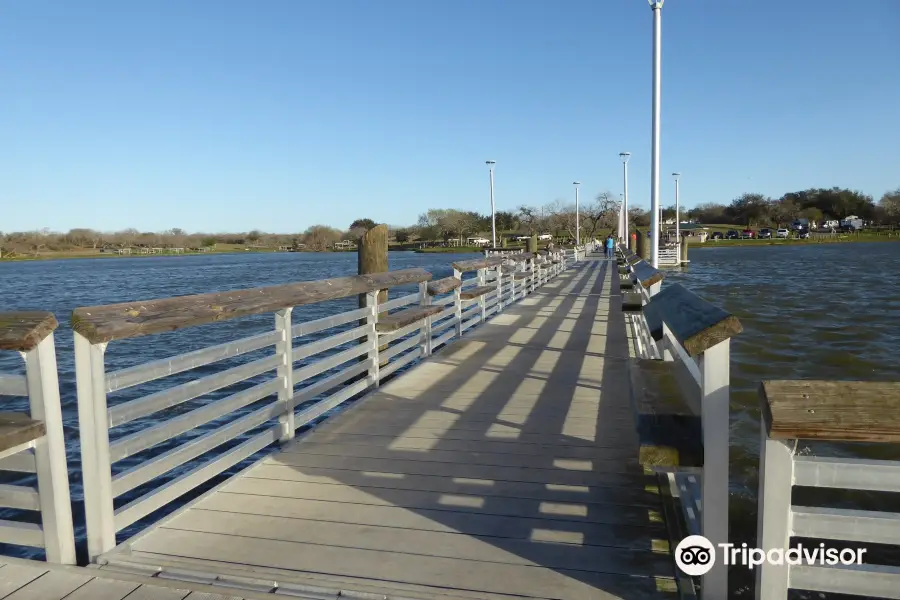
(449, 250)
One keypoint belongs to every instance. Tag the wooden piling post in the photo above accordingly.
(684, 250)
(372, 257)
(643, 245)
(532, 243)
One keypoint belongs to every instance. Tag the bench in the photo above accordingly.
(475, 292)
(443, 286)
(402, 318)
(18, 429)
(645, 274)
(476, 264)
(669, 427)
(666, 396)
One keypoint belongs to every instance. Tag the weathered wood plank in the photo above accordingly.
(23, 331)
(402, 318)
(404, 567)
(14, 576)
(443, 286)
(447, 544)
(475, 292)
(17, 429)
(646, 274)
(54, 585)
(669, 428)
(852, 411)
(103, 589)
(133, 319)
(695, 323)
(479, 263)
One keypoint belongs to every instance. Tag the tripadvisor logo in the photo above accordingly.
(696, 555)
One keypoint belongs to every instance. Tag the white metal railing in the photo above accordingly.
(298, 372)
(707, 386)
(834, 412)
(38, 458)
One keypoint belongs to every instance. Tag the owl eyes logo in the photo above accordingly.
(695, 555)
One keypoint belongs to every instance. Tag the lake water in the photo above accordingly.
(813, 312)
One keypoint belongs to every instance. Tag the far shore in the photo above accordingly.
(90, 253)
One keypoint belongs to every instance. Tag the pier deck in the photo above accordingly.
(503, 466)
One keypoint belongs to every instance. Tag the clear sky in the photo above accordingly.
(225, 115)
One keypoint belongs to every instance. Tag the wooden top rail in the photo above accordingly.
(646, 274)
(479, 263)
(695, 323)
(23, 331)
(132, 319)
(838, 411)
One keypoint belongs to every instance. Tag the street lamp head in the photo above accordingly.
(654, 4)
(676, 175)
(624, 156)
(576, 183)
(490, 163)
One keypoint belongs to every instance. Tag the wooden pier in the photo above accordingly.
(504, 466)
(539, 425)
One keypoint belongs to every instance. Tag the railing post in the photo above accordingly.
(457, 304)
(482, 280)
(93, 424)
(531, 279)
(425, 300)
(285, 372)
(372, 338)
(50, 453)
(773, 520)
(499, 269)
(715, 394)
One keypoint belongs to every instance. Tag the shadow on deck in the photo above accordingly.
(503, 466)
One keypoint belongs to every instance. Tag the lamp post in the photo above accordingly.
(577, 216)
(625, 156)
(656, 6)
(490, 164)
(677, 211)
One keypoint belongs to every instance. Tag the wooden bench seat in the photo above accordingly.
(632, 302)
(646, 274)
(17, 429)
(668, 421)
(405, 317)
(443, 286)
(475, 292)
(522, 275)
(626, 281)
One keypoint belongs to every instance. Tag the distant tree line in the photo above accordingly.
(597, 217)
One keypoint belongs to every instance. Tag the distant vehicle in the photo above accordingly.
(732, 234)
(765, 234)
(717, 235)
(747, 234)
(851, 224)
(782, 233)
(522, 238)
(478, 241)
(800, 225)
(545, 236)
(804, 234)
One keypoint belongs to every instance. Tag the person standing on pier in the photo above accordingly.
(610, 246)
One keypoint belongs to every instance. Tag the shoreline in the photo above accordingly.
(770, 243)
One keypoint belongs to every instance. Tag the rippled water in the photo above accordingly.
(809, 312)
(813, 312)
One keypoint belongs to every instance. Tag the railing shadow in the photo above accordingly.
(519, 439)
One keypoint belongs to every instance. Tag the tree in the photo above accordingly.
(749, 209)
(506, 221)
(600, 215)
(320, 237)
(254, 235)
(402, 235)
(366, 224)
(890, 205)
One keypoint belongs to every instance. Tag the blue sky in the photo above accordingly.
(219, 115)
